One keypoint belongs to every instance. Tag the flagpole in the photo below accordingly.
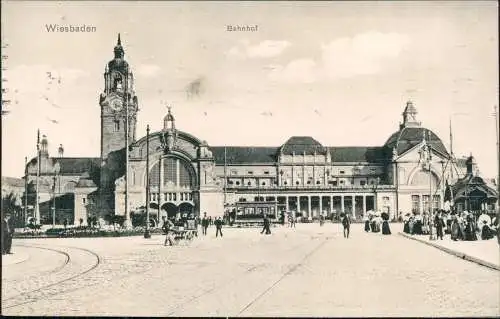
(147, 234)
(498, 161)
(25, 190)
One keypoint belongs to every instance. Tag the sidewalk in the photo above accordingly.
(15, 258)
(483, 252)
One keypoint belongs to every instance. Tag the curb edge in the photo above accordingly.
(455, 253)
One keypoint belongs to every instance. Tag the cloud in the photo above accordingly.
(265, 49)
(148, 70)
(362, 54)
(297, 71)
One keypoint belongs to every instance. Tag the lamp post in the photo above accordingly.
(426, 159)
(25, 191)
(147, 234)
(56, 173)
(498, 161)
(375, 187)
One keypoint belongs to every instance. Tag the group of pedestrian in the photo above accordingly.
(376, 223)
(207, 221)
(461, 226)
(7, 234)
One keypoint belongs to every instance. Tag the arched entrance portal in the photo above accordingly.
(172, 183)
(171, 210)
(186, 209)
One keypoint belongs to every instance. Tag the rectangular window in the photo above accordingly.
(341, 182)
(117, 125)
(415, 204)
(362, 183)
(436, 203)
(266, 172)
(342, 172)
(425, 203)
(83, 200)
(250, 173)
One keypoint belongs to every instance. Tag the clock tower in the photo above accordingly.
(118, 95)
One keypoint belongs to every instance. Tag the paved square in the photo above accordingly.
(307, 271)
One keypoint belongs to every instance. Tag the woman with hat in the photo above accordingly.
(386, 230)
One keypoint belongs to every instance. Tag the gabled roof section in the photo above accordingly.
(352, 154)
(471, 183)
(12, 181)
(77, 165)
(73, 165)
(301, 145)
(243, 155)
(85, 182)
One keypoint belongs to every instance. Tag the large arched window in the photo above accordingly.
(175, 172)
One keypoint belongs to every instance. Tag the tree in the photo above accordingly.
(11, 203)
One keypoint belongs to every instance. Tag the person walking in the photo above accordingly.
(218, 226)
(346, 222)
(167, 229)
(204, 224)
(439, 224)
(267, 226)
(7, 234)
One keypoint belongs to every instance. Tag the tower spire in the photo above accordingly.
(119, 40)
(451, 139)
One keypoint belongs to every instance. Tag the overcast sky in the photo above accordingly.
(339, 72)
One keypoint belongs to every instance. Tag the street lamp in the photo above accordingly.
(375, 187)
(56, 173)
(147, 234)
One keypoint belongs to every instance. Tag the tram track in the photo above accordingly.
(283, 276)
(247, 271)
(58, 286)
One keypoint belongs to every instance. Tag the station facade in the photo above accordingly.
(411, 172)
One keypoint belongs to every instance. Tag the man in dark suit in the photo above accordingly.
(204, 223)
(267, 225)
(7, 234)
(346, 222)
(218, 225)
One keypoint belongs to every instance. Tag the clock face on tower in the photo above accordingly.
(116, 104)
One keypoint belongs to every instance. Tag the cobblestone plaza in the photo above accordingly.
(307, 271)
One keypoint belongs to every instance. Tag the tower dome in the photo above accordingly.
(169, 120)
(118, 63)
(411, 133)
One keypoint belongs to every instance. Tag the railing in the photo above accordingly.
(313, 187)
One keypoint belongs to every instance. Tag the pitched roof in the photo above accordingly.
(357, 154)
(469, 183)
(302, 144)
(85, 182)
(73, 165)
(409, 137)
(242, 154)
(264, 155)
